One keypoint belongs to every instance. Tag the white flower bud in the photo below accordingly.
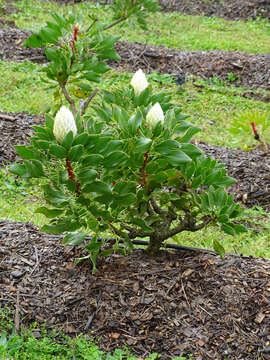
(64, 123)
(154, 115)
(139, 82)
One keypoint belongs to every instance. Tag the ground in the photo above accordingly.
(180, 303)
(184, 302)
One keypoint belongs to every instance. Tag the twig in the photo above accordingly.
(91, 25)
(91, 317)
(114, 23)
(17, 314)
(7, 117)
(87, 102)
(69, 99)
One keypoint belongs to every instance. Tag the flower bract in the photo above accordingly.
(155, 115)
(64, 123)
(139, 82)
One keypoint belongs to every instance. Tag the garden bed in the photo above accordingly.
(184, 302)
(249, 70)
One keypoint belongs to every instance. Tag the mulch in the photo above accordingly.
(228, 9)
(250, 70)
(251, 169)
(15, 129)
(184, 302)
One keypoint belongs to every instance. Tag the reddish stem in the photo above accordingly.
(72, 176)
(143, 172)
(75, 33)
(256, 135)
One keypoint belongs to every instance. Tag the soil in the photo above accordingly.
(251, 169)
(249, 70)
(180, 303)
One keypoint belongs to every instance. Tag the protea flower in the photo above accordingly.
(139, 82)
(154, 115)
(64, 123)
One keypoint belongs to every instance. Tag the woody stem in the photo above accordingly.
(72, 176)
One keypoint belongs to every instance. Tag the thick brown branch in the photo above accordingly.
(189, 225)
(156, 208)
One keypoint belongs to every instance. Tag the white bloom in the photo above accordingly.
(154, 115)
(64, 123)
(139, 82)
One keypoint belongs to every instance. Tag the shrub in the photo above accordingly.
(130, 168)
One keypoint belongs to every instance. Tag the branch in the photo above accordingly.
(186, 224)
(87, 102)
(91, 25)
(69, 99)
(133, 233)
(114, 23)
(156, 208)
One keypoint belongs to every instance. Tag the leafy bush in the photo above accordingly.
(130, 169)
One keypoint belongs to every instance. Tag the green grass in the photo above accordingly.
(22, 88)
(173, 30)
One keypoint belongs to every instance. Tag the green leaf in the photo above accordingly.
(92, 160)
(125, 187)
(26, 153)
(143, 144)
(49, 122)
(34, 168)
(219, 248)
(68, 139)
(49, 213)
(62, 226)
(20, 170)
(190, 150)
(142, 224)
(87, 176)
(49, 35)
(134, 123)
(34, 41)
(240, 228)
(54, 197)
(92, 76)
(124, 200)
(75, 153)
(177, 157)
(52, 54)
(59, 151)
(115, 159)
(113, 145)
(81, 139)
(74, 238)
(167, 146)
(228, 228)
(98, 187)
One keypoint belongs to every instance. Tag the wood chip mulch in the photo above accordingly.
(228, 9)
(181, 303)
